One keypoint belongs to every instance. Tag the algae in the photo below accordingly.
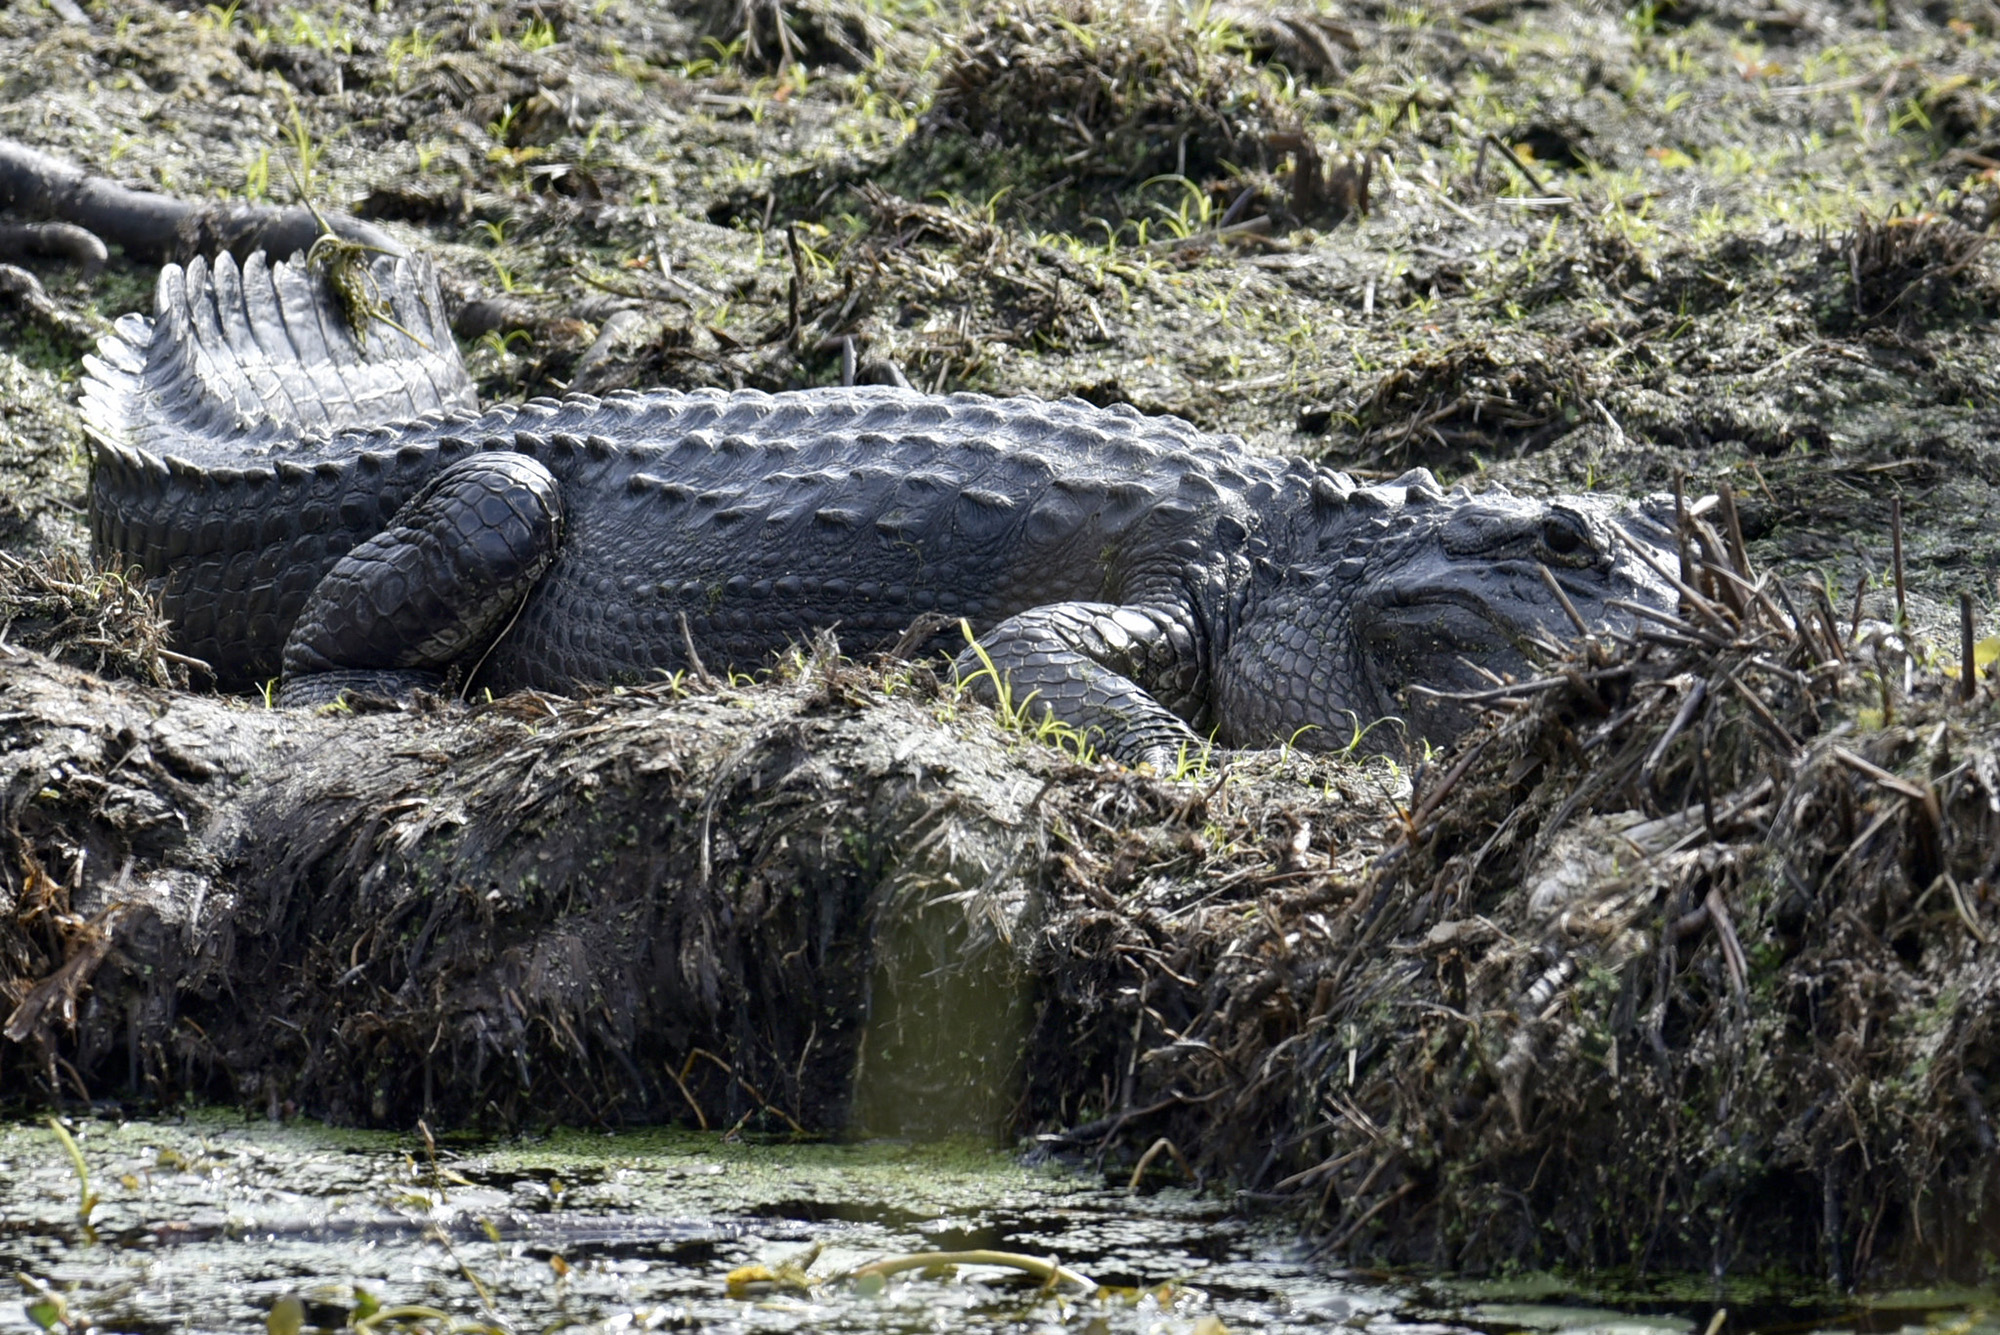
(210, 1220)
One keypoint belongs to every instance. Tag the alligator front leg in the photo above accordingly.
(1108, 671)
(433, 588)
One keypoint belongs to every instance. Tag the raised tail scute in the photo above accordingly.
(234, 356)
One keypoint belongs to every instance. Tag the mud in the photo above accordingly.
(1558, 247)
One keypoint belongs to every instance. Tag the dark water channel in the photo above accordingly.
(210, 1223)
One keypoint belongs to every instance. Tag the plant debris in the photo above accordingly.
(1685, 960)
(1118, 93)
(65, 607)
(1902, 269)
(1478, 399)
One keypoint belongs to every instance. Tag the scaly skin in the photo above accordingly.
(342, 513)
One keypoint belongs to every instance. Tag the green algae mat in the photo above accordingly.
(212, 1223)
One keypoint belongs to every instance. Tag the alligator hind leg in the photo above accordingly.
(1108, 671)
(433, 588)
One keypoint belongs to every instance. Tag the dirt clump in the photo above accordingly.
(1484, 398)
(1111, 95)
(1906, 271)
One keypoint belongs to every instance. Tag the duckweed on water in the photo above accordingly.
(217, 1223)
(211, 1223)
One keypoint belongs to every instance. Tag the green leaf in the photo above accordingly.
(287, 1316)
(45, 1311)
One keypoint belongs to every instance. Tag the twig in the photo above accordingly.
(1691, 634)
(1758, 791)
(1437, 795)
(1896, 550)
(1732, 948)
(1799, 626)
(695, 664)
(1046, 1270)
(1305, 1177)
(1893, 782)
(1874, 827)
(1831, 621)
(1700, 604)
(1519, 166)
(1239, 206)
(679, 1079)
(1681, 526)
(1257, 226)
(798, 284)
(1568, 607)
(1153, 1151)
(1964, 909)
(1682, 718)
(1715, 564)
(1968, 667)
(919, 633)
(1733, 531)
(1764, 715)
(1373, 1210)
(667, 274)
(1519, 689)
(748, 1088)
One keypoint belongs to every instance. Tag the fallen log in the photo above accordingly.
(160, 228)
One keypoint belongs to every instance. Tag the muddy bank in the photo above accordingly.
(1688, 962)
(636, 908)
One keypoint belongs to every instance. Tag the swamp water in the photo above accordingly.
(210, 1223)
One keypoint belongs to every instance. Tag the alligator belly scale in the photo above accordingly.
(336, 510)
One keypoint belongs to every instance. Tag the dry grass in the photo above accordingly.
(1486, 397)
(1905, 269)
(1685, 961)
(64, 607)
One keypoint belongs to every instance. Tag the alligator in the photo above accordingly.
(333, 508)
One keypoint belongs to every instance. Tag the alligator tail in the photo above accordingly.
(233, 356)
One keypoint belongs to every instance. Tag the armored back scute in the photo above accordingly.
(236, 357)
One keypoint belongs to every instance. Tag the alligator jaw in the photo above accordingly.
(1426, 641)
(1419, 657)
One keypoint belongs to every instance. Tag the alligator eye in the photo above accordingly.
(1563, 535)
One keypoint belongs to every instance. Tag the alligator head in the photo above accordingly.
(1417, 597)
